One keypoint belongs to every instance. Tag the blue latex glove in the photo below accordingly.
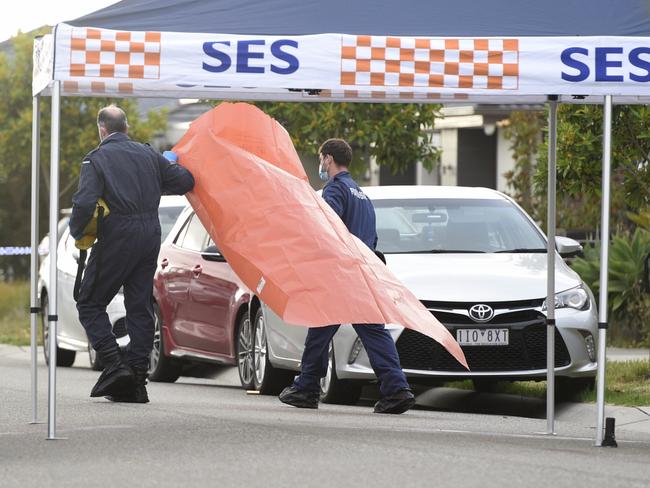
(170, 156)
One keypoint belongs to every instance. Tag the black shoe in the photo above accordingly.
(137, 393)
(114, 379)
(396, 403)
(299, 398)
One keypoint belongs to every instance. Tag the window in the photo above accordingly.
(211, 243)
(167, 217)
(195, 236)
(454, 225)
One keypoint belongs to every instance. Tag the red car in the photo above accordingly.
(201, 306)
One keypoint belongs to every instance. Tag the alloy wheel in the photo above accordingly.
(92, 354)
(245, 354)
(326, 381)
(154, 357)
(260, 349)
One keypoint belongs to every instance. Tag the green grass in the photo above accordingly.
(627, 383)
(14, 313)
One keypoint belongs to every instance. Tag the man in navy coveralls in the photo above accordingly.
(357, 212)
(130, 177)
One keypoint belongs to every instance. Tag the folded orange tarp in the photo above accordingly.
(280, 237)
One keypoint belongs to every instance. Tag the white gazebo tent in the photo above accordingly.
(505, 53)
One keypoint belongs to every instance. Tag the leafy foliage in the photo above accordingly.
(395, 134)
(78, 135)
(579, 163)
(628, 304)
(524, 131)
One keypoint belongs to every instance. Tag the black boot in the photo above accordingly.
(137, 393)
(117, 375)
(396, 403)
(299, 398)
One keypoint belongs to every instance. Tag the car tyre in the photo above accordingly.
(161, 367)
(335, 390)
(64, 357)
(267, 379)
(245, 352)
(93, 358)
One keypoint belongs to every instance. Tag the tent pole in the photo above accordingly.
(604, 267)
(550, 271)
(34, 305)
(52, 317)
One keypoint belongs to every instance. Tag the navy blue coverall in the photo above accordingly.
(358, 214)
(130, 177)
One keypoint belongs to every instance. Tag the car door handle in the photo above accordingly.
(197, 270)
(164, 263)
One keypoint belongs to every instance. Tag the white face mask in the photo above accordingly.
(322, 172)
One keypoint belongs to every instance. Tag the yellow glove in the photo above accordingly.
(90, 231)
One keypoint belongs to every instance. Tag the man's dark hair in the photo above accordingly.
(113, 119)
(339, 150)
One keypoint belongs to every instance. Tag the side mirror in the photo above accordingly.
(211, 253)
(567, 247)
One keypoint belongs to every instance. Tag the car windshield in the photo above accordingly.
(167, 216)
(454, 225)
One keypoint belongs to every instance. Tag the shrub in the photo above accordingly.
(628, 304)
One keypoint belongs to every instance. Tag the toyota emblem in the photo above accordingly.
(481, 313)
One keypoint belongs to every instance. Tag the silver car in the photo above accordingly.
(477, 261)
(71, 336)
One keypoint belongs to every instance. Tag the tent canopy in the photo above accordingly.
(509, 51)
(379, 17)
(512, 52)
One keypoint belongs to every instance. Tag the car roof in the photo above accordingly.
(403, 192)
(173, 201)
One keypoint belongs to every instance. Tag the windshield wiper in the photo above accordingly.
(521, 250)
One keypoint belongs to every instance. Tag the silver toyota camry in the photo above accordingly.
(477, 261)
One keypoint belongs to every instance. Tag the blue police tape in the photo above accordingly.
(15, 251)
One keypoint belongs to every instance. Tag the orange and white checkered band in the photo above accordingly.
(97, 88)
(432, 63)
(392, 95)
(114, 54)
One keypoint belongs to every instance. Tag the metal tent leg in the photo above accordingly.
(604, 267)
(54, 218)
(550, 281)
(34, 305)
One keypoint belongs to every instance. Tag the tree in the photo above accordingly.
(524, 130)
(78, 135)
(397, 135)
(579, 163)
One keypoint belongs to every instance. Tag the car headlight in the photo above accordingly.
(356, 349)
(576, 298)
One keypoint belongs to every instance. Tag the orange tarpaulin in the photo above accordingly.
(280, 237)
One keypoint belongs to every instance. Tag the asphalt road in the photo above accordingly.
(208, 432)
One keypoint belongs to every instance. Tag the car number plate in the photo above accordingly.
(482, 337)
